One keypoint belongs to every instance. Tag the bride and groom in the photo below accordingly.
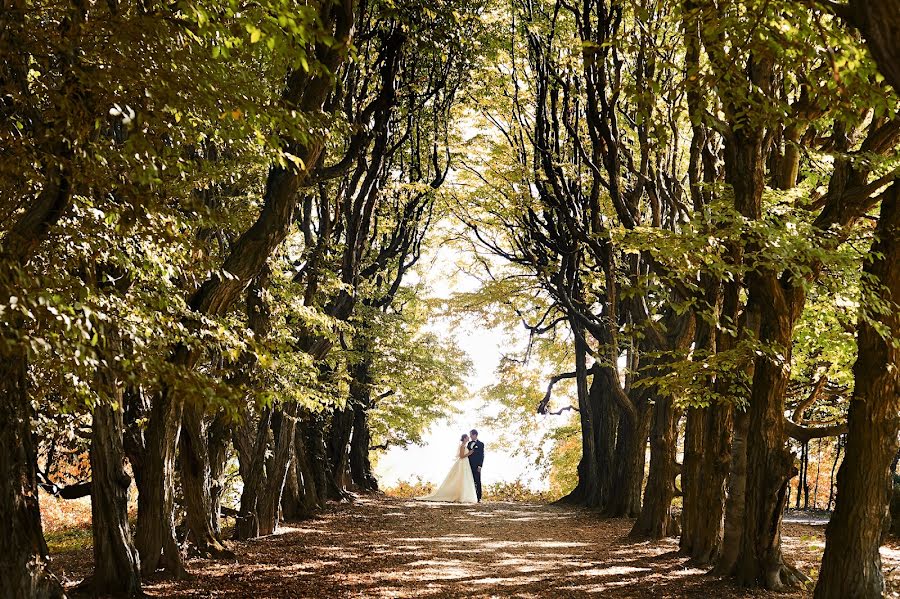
(463, 482)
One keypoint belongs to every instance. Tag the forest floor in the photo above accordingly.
(398, 548)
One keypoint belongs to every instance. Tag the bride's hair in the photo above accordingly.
(464, 437)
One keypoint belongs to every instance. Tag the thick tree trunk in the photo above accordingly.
(735, 498)
(879, 21)
(360, 467)
(851, 566)
(270, 499)
(322, 478)
(339, 443)
(24, 559)
(155, 531)
(770, 465)
(631, 448)
(310, 497)
(655, 520)
(707, 458)
(606, 412)
(196, 484)
(116, 560)
(361, 474)
(252, 455)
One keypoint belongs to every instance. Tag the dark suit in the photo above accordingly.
(475, 461)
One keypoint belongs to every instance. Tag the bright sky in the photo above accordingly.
(485, 347)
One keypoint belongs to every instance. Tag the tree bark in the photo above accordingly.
(360, 467)
(155, 531)
(707, 458)
(25, 559)
(116, 560)
(879, 22)
(339, 443)
(587, 490)
(218, 439)
(851, 565)
(655, 520)
(631, 447)
(770, 465)
(252, 456)
(606, 413)
(270, 498)
(196, 484)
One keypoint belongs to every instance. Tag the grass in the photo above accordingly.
(69, 539)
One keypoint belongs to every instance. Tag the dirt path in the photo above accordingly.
(399, 548)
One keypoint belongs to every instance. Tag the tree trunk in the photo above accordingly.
(24, 561)
(322, 478)
(116, 560)
(251, 456)
(218, 436)
(196, 484)
(339, 442)
(155, 531)
(631, 448)
(360, 466)
(851, 565)
(270, 499)
(606, 412)
(587, 491)
(309, 499)
(735, 498)
(707, 458)
(655, 520)
(770, 465)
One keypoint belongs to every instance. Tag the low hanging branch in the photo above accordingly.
(805, 433)
(561, 410)
(543, 406)
(811, 398)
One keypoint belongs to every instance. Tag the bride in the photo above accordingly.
(459, 485)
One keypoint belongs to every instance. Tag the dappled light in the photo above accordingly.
(268, 266)
(389, 548)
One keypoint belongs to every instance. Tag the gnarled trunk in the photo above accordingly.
(116, 560)
(707, 458)
(24, 561)
(196, 484)
(587, 490)
(270, 499)
(770, 465)
(251, 455)
(851, 566)
(655, 520)
(155, 531)
(606, 414)
(631, 447)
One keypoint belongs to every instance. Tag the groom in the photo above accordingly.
(476, 460)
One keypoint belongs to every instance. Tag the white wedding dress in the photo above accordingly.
(459, 486)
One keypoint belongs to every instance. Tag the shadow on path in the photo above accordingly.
(397, 548)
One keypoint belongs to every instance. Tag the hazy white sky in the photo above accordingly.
(485, 347)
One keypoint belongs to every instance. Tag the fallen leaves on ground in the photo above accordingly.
(400, 548)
